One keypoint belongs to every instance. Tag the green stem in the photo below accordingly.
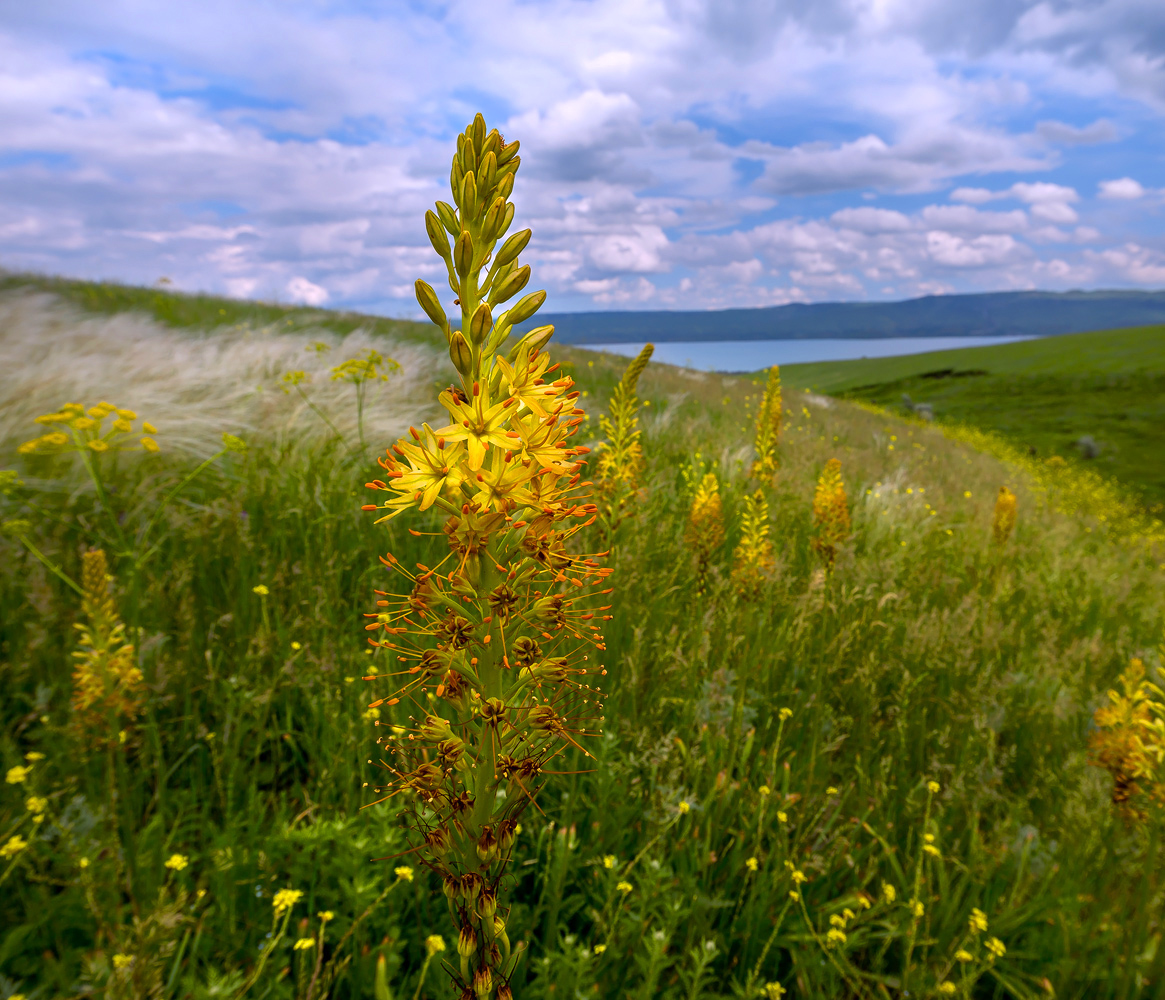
(145, 534)
(49, 565)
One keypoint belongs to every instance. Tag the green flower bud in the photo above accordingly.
(435, 728)
(476, 131)
(483, 983)
(460, 354)
(430, 303)
(487, 904)
(448, 216)
(437, 235)
(487, 172)
(508, 152)
(470, 886)
(534, 341)
(526, 308)
(481, 323)
(510, 287)
(512, 247)
(507, 218)
(463, 253)
(487, 844)
(456, 176)
(451, 886)
(506, 185)
(466, 153)
(466, 942)
(468, 200)
(493, 220)
(438, 843)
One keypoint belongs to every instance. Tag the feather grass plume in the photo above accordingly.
(831, 519)
(621, 460)
(497, 648)
(768, 430)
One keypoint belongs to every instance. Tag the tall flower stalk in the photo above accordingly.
(705, 529)
(621, 460)
(768, 430)
(1003, 519)
(754, 554)
(497, 648)
(831, 519)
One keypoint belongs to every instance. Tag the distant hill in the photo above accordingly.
(991, 314)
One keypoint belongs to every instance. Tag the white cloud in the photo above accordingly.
(302, 290)
(1121, 189)
(981, 251)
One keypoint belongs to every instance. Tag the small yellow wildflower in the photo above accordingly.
(784, 714)
(917, 908)
(932, 787)
(304, 943)
(122, 425)
(83, 863)
(404, 872)
(962, 955)
(967, 494)
(799, 877)
(150, 444)
(932, 850)
(794, 895)
(624, 887)
(835, 936)
(17, 774)
(752, 864)
(126, 414)
(831, 790)
(978, 921)
(517, 829)
(995, 946)
(325, 916)
(371, 714)
(261, 590)
(433, 944)
(600, 948)
(782, 816)
(98, 445)
(148, 427)
(33, 756)
(84, 423)
(296, 646)
(774, 991)
(14, 846)
(36, 804)
(837, 920)
(947, 988)
(285, 899)
(765, 791)
(121, 961)
(177, 862)
(608, 861)
(684, 808)
(889, 892)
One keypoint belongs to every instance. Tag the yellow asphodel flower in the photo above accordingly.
(433, 467)
(476, 422)
(1004, 518)
(526, 382)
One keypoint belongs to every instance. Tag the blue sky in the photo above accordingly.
(677, 154)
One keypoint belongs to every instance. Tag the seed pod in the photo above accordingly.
(466, 941)
(508, 152)
(460, 354)
(468, 196)
(437, 234)
(483, 983)
(430, 303)
(463, 253)
(470, 886)
(487, 904)
(527, 307)
(451, 886)
(448, 216)
(507, 289)
(512, 247)
(487, 844)
(481, 323)
(438, 842)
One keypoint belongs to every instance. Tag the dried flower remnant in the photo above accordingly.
(494, 647)
(1129, 741)
(620, 461)
(705, 530)
(831, 521)
(754, 554)
(1004, 518)
(768, 430)
(107, 685)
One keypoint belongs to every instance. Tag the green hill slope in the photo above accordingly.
(1041, 394)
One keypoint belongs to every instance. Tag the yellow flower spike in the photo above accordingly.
(705, 530)
(1003, 520)
(434, 944)
(754, 554)
(599, 949)
(799, 877)
(782, 816)
(285, 899)
(768, 430)
(831, 518)
(932, 787)
(621, 458)
(325, 916)
(835, 937)
(684, 807)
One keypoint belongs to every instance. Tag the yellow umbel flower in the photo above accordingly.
(1129, 741)
(705, 531)
(830, 513)
(107, 685)
(1004, 518)
(88, 433)
(754, 554)
(621, 458)
(768, 429)
(497, 650)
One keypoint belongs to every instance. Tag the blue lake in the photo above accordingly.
(753, 355)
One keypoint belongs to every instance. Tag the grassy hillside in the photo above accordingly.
(871, 782)
(1041, 394)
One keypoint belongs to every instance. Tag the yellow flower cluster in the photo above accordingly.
(87, 431)
(705, 530)
(754, 554)
(374, 367)
(831, 520)
(1129, 741)
(768, 429)
(1003, 520)
(108, 688)
(621, 458)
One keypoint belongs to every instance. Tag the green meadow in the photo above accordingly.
(1043, 395)
(871, 782)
